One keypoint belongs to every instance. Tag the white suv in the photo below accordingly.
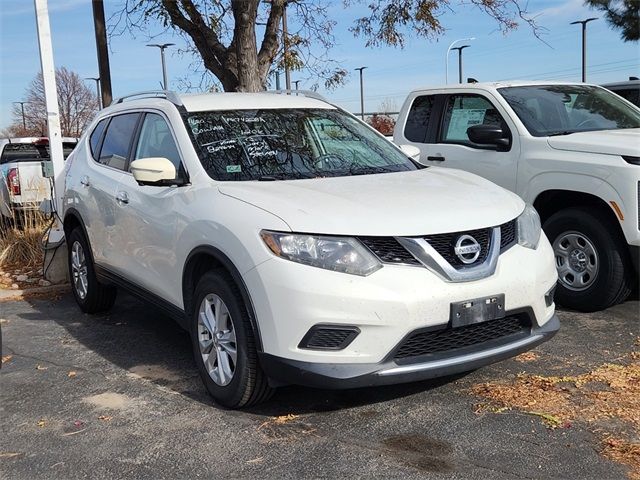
(298, 245)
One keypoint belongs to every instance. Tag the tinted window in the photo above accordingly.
(290, 144)
(115, 147)
(96, 136)
(156, 141)
(631, 94)
(415, 129)
(464, 111)
(31, 152)
(565, 109)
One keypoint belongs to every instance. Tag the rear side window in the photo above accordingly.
(415, 130)
(96, 136)
(464, 111)
(117, 140)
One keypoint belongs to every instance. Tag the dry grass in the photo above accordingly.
(607, 399)
(21, 243)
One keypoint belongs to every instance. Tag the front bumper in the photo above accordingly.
(282, 371)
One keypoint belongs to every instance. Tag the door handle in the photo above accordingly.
(122, 197)
(84, 180)
(436, 159)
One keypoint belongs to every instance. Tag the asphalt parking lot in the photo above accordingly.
(118, 395)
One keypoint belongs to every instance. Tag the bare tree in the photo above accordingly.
(241, 42)
(76, 102)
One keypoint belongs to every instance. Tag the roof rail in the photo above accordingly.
(303, 93)
(168, 94)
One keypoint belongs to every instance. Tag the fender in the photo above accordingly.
(226, 262)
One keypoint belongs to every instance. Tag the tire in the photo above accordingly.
(91, 295)
(248, 385)
(601, 249)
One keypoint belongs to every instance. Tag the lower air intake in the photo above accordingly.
(329, 337)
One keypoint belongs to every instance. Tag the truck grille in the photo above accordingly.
(449, 339)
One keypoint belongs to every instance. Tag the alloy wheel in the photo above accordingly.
(217, 339)
(79, 270)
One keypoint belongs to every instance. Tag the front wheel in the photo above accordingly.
(224, 344)
(594, 270)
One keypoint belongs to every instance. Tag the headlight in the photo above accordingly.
(528, 228)
(342, 254)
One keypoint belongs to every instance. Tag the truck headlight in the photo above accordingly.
(528, 228)
(341, 254)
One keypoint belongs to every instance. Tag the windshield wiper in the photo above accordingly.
(267, 178)
(562, 132)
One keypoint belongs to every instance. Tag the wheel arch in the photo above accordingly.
(203, 259)
(72, 220)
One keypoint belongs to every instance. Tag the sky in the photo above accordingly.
(391, 72)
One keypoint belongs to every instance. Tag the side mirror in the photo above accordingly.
(410, 151)
(489, 135)
(153, 171)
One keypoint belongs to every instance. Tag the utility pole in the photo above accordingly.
(460, 60)
(285, 43)
(360, 69)
(103, 51)
(162, 47)
(24, 122)
(97, 80)
(446, 58)
(584, 44)
(296, 83)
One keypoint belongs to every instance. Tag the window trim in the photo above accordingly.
(469, 144)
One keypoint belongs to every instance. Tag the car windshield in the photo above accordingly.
(288, 144)
(564, 109)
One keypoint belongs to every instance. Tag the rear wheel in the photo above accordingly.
(91, 295)
(594, 269)
(224, 344)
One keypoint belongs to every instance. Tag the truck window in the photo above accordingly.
(117, 140)
(464, 111)
(415, 130)
(31, 152)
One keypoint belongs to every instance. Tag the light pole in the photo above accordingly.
(460, 60)
(296, 82)
(446, 58)
(584, 44)
(24, 123)
(360, 69)
(162, 48)
(97, 80)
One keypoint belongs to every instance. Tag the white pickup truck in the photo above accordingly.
(22, 185)
(571, 150)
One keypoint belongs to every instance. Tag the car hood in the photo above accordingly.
(428, 201)
(612, 142)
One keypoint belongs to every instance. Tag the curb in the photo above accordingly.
(11, 295)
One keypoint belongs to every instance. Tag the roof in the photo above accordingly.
(495, 85)
(626, 83)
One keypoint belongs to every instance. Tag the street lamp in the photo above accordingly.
(584, 44)
(446, 59)
(24, 123)
(361, 92)
(97, 80)
(296, 82)
(460, 60)
(162, 47)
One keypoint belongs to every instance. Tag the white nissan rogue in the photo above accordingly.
(297, 245)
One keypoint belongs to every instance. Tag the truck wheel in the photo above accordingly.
(594, 269)
(91, 295)
(224, 345)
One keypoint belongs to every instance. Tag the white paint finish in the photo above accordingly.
(248, 101)
(53, 116)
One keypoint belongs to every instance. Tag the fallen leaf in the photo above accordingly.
(104, 418)
(527, 357)
(40, 367)
(42, 423)
(6, 358)
(78, 423)
(282, 419)
(71, 374)
(10, 454)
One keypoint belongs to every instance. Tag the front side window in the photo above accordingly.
(117, 140)
(290, 144)
(156, 140)
(464, 111)
(415, 130)
(564, 109)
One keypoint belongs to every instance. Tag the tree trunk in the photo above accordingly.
(246, 48)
